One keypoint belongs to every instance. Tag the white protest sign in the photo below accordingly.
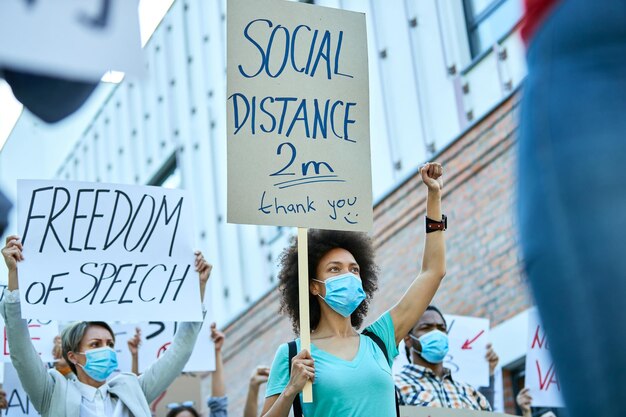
(75, 39)
(468, 338)
(19, 404)
(541, 378)
(298, 116)
(123, 332)
(156, 338)
(42, 334)
(109, 252)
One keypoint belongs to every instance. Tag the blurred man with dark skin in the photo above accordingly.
(425, 382)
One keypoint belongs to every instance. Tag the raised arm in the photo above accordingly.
(218, 402)
(217, 380)
(524, 401)
(419, 295)
(489, 391)
(259, 377)
(163, 372)
(133, 348)
(32, 372)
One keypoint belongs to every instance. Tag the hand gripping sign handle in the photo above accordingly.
(303, 286)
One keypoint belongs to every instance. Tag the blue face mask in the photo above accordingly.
(434, 346)
(100, 364)
(344, 293)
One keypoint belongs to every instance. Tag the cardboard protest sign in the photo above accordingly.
(42, 334)
(407, 411)
(468, 337)
(106, 252)
(19, 404)
(156, 337)
(541, 377)
(298, 116)
(72, 39)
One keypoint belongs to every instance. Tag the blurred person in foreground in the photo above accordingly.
(572, 193)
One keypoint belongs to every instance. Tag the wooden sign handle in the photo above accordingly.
(303, 286)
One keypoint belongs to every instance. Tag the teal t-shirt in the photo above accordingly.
(363, 386)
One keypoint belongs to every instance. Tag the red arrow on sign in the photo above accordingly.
(467, 344)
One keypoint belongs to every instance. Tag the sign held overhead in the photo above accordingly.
(298, 116)
(106, 252)
(71, 39)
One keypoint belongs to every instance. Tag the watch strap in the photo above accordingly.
(433, 225)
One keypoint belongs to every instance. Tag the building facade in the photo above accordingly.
(432, 76)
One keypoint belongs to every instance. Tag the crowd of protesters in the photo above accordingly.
(350, 371)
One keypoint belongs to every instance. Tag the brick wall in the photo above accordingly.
(483, 273)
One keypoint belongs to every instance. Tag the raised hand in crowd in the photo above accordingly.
(203, 268)
(217, 337)
(524, 401)
(133, 348)
(217, 381)
(218, 401)
(258, 378)
(12, 254)
(492, 357)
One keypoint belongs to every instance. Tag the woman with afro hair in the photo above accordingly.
(350, 374)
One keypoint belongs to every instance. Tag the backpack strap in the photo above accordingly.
(379, 342)
(293, 351)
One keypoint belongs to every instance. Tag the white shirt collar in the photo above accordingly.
(89, 393)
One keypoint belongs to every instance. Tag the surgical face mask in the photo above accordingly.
(344, 293)
(100, 364)
(434, 346)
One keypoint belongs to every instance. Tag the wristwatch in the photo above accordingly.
(433, 225)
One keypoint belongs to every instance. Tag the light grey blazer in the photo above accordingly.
(53, 395)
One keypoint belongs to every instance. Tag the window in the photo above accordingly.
(489, 20)
(169, 176)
